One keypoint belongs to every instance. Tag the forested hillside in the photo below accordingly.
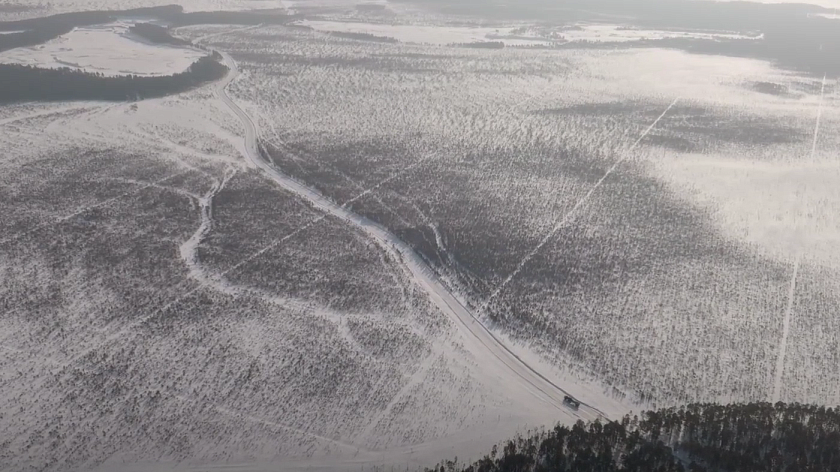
(755, 437)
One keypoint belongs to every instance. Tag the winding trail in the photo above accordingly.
(508, 368)
(189, 249)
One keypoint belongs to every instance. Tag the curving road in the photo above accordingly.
(507, 368)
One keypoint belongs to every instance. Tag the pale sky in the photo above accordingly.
(822, 3)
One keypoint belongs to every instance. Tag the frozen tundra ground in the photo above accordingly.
(440, 243)
(171, 303)
(107, 49)
(164, 300)
(699, 269)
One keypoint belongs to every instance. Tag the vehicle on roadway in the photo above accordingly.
(571, 402)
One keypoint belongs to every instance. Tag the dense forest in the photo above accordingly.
(231, 18)
(34, 31)
(31, 37)
(157, 34)
(480, 45)
(19, 83)
(754, 437)
(364, 37)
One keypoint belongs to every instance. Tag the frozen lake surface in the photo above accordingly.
(108, 49)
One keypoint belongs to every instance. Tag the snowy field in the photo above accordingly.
(509, 35)
(153, 280)
(635, 227)
(244, 326)
(735, 185)
(619, 34)
(422, 34)
(33, 8)
(107, 49)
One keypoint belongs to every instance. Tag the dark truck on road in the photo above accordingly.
(571, 402)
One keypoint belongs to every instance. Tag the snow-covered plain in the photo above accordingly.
(253, 313)
(691, 301)
(34, 8)
(108, 49)
(510, 36)
(245, 325)
(621, 34)
(422, 34)
(640, 226)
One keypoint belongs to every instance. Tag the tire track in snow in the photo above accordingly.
(485, 345)
(44, 113)
(82, 210)
(395, 176)
(184, 193)
(416, 378)
(570, 215)
(780, 358)
(189, 249)
(819, 117)
(272, 424)
(215, 282)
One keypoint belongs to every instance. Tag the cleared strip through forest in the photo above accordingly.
(570, 215)
(780, 358)
(88, 208)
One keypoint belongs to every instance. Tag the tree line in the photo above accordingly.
(21, 83)
(157, 34)
(33, 31)
(753, 437)
(480, 45)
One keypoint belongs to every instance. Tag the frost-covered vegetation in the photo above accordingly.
(497, 154)
(163, 301)
(632, 226)
(759, 437)
(19, 83)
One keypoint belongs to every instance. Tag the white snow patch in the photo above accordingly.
(53, 7)
(621, 34)
(513, 36)
(763, 203)
(108, 49)
(425, 34)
